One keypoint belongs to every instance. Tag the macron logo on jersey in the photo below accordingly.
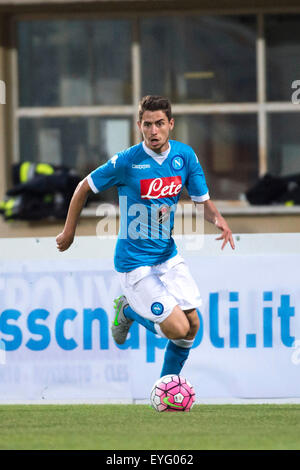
(160, 187)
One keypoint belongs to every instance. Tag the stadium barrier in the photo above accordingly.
(56, 310)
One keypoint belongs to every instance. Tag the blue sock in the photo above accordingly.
(129, 313)
(174, 359)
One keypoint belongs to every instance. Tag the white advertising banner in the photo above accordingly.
(56, 310)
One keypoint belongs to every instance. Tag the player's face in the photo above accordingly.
(156, 127)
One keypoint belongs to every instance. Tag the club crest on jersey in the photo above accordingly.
(157, 308)
(156, 188)
(177, 162)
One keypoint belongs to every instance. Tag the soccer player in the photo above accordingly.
(158, 289)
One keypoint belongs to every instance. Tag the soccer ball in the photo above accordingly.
(172, 393)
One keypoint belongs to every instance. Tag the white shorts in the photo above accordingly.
(153, 291)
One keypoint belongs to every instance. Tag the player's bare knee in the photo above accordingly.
(194, 324)
(194, 327)
(182, 331)
(177, 330)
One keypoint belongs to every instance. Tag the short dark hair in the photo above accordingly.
(155, 103)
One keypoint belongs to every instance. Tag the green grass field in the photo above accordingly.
(120, 427)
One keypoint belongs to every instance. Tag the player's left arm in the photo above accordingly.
(198, 191)
(212, 215)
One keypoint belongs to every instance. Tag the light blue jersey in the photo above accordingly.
(149, 187)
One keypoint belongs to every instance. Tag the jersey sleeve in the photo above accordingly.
(196, 183)
(107, 175)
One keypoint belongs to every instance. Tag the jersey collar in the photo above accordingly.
(158, 157)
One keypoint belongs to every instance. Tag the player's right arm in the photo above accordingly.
(65, 239)
(104, 177)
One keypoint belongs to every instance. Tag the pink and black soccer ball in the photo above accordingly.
(172, 393)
